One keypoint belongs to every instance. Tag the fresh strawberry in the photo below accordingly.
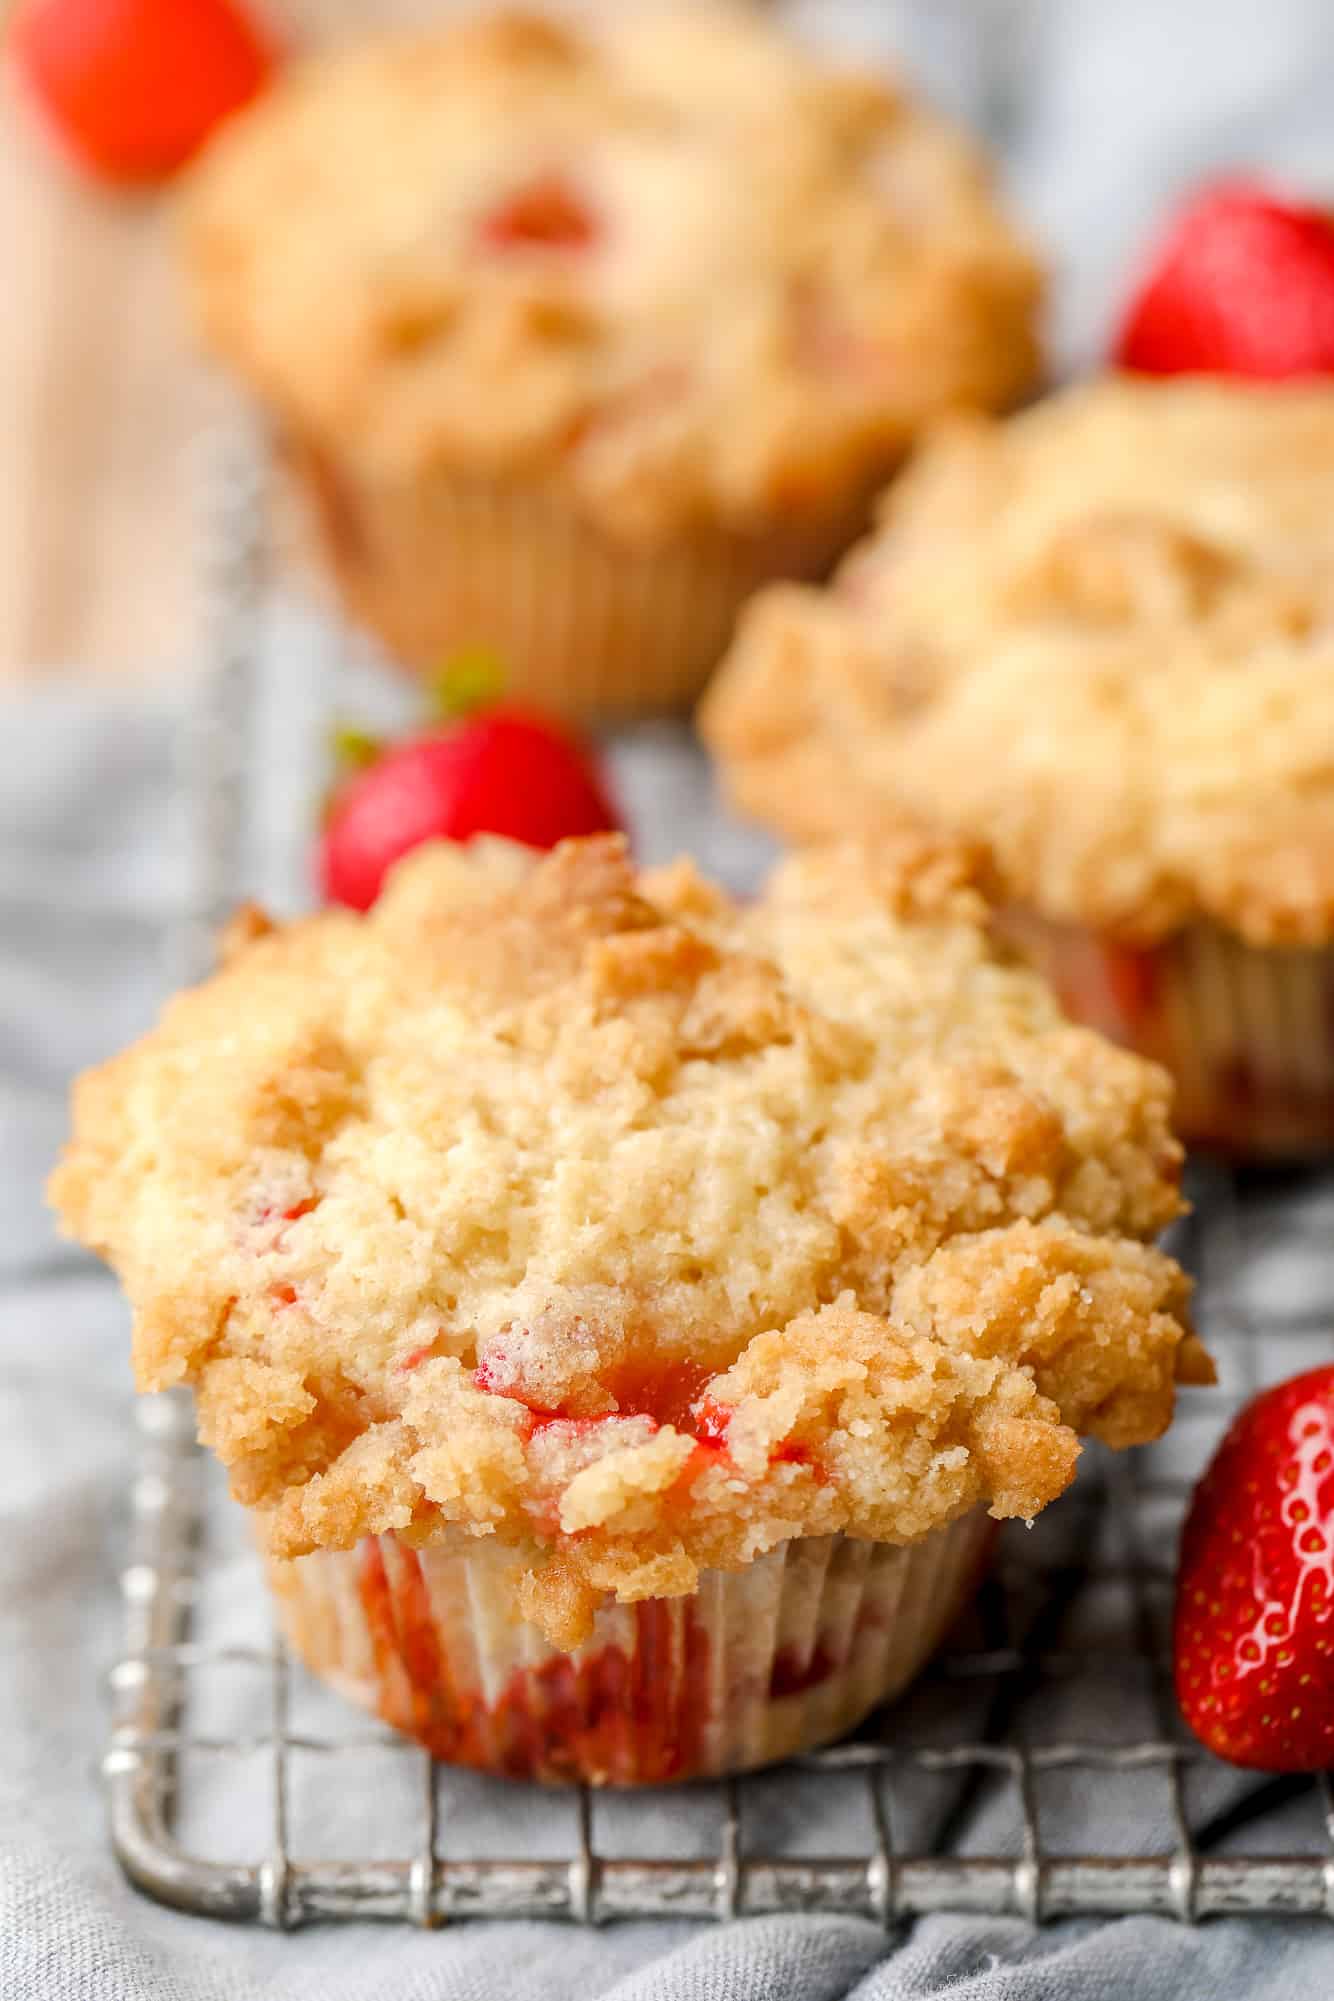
(136, 86)
(499, 772)
(1241, 284)
(1254, 1635)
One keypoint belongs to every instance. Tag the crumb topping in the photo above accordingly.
(675, 264)
(641, 1229)
(1098, 638)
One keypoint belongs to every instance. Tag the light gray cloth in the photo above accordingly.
(1131, 101)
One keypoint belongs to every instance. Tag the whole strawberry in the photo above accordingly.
(1241, 284)
(135, 87)
(1254, 1632)
(497, 772)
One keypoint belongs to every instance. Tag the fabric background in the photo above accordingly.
(1106, 111)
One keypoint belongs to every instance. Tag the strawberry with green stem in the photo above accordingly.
(483, 769)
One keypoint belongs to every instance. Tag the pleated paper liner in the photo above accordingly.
(1247, 1032)
(588, 627)
(784, 1655)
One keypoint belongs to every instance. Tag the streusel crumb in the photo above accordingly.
(1098, 638)
(639, 1228)
(673, 264)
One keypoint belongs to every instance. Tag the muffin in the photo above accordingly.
(575, 337)
(1098, 639)
(626, 1309)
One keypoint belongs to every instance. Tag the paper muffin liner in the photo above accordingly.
(586, 627)
(763, 1662)
(1247, 1032)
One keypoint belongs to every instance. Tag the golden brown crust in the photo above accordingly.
(1098, 638)
(639, 1228)
(791, 268)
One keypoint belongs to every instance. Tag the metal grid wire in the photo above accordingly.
(954, 1800)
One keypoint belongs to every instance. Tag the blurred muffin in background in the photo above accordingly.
(1098, 638)
(576, 336)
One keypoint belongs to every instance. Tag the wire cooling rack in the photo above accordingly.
(226, 1764)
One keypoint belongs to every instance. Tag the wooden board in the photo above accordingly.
(98, 397)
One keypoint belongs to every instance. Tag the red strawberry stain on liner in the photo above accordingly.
(629, 1717)
(1133, 977)
(636, 1717)
(793, 1675)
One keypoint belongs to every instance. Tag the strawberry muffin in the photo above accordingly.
(576, 336)
(625, 1310)
(1098, 638)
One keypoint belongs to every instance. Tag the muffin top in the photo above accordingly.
(675, 265)
(1098, 638)
(638, 1228)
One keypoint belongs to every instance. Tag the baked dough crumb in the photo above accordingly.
(1097, 639)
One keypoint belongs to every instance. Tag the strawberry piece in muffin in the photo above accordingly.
(547, 213)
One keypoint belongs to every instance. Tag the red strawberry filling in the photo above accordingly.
(713, 1419)
(416, 1356)
(272, 1221)
(664, 1393)
(793, 1453)
(291, 1215)
(270, 1226)
(546, 214)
